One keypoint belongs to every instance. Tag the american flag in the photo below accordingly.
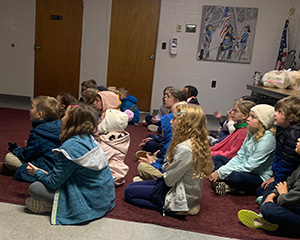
(226, 17)
(283, 49)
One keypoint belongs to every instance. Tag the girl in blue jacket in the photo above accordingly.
(80, 188)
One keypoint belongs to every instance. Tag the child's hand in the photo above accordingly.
(143, 142)
(298, 146)
(218, 114)
(214, 177)
(282, 188)
(12, 146)
(266, 183)
(148, 159)
(31, 169)
(229, 115)
(269, 198)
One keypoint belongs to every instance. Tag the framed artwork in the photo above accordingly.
(227, 34)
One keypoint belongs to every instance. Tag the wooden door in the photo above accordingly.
(133, 34)
(57, 47)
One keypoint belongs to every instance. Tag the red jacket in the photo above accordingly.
(231, 144)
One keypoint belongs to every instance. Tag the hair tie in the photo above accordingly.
(75, 105)
(181, 112)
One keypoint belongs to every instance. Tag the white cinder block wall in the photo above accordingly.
(231, 77)
(17, 26)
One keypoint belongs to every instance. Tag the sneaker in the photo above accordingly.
(221, 188)
(38, 206)
(152, 128)
(193, 211)
(141, 153)
(258, 200)
(253, 220)
(145, 123)
(137, 179)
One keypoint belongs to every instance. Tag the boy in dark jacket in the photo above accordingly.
(44, 136)
(129, 102)
(280, 209)
(286, 161)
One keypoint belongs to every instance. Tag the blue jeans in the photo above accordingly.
(285, 218)
(244, 181)
(138, 194)
(219, 161)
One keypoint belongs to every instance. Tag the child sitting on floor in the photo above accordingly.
(129, 102)
(150, 167)
(286, 161)
(44, 136)
(105, 100)
(64, 99)
(188, 162)
(153, 143)
(191, 94)
(153, 122)
(252, 164)
(90, 96)
(80, 188)
(229, 147)
(115, 141)
(281, 208)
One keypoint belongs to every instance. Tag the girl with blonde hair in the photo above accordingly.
(252, 164)
(188, 161)
(80, 188)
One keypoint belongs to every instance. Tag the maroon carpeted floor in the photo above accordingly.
(218, 214)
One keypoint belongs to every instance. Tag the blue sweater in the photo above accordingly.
(130, 103)
(82, 180)
(167, 130)
(44, 136)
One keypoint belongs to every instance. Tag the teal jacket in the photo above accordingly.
(82, 180)
(256, 158)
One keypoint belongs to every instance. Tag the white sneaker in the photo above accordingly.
(137, 179)
(152, 128)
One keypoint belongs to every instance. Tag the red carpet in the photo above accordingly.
(218, 214)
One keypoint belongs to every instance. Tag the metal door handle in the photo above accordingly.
(151, 57)
(37, 47)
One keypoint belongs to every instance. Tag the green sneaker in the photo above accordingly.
(253, 220)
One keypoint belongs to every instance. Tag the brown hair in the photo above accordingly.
(124, 91)
(48, 106)
(191, 125)
(244, 106)
(90, 95)
(291, 108)
(82, 119)
(180, 95)
(89, 84)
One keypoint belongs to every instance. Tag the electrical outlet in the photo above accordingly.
(213, 83)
